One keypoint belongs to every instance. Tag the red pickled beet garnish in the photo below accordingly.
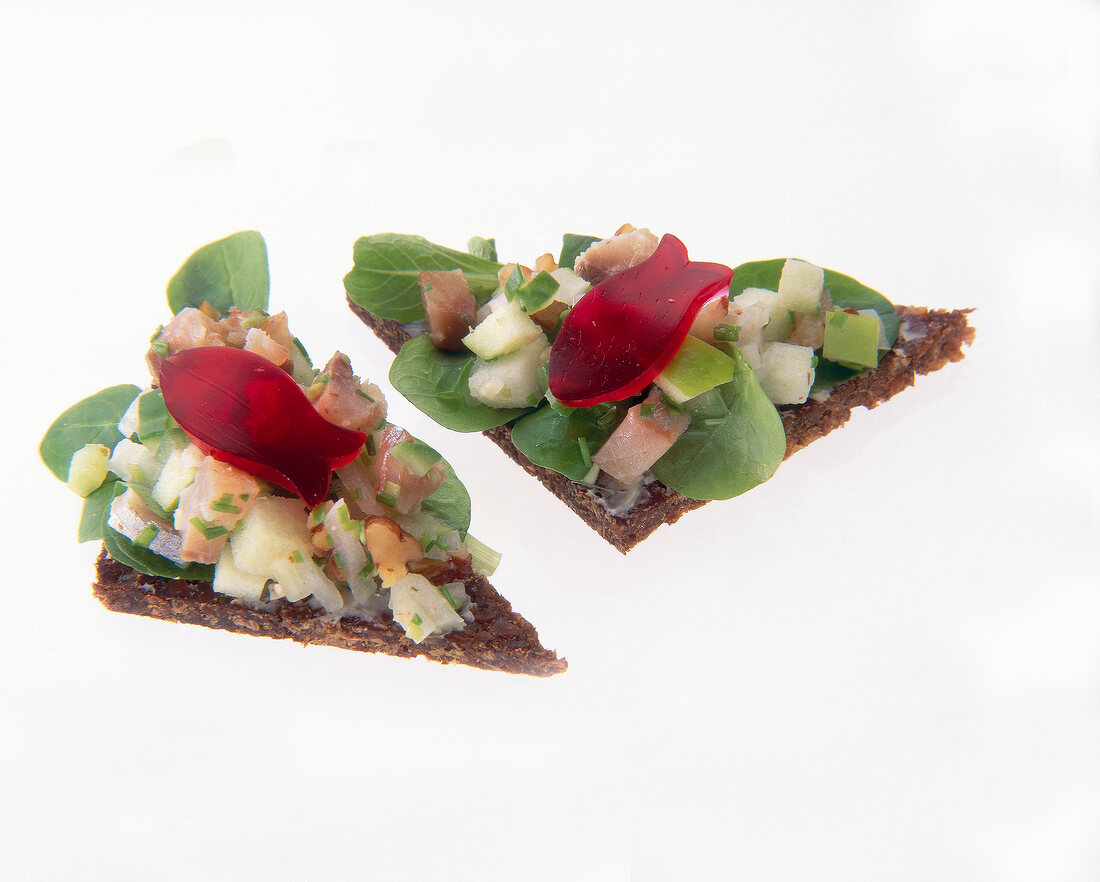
(626, 330)
(241, 409)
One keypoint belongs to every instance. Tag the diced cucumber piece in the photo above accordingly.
(801, 285)
(485, 559)
(134, 462)
(504, 330)
(88, 468)
(883, 341)
(851, 340)
(417, 455)
(695, 368)
(786, 372)
(538, 293)
(511, 380)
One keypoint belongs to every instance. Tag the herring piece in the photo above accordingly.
(130, 517)
(346, 402)
(449, 306)
(643, 437)
(610, 256)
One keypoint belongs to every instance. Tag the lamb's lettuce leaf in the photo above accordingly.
(486, 249)
(384, 280)
(572, 246)
(438, 383)
(451, 502)
(92, 420)
(735, 441)
(230, 272)
(553, 438)
(93, 515)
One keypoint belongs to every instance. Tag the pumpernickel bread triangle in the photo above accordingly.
(929, 339)
(497, 639)
(246, 490)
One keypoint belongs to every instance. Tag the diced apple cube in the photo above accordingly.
(695, 368)
(511, 380)
(232, 580)
(786, 372)
(504, 330)
(800, 286)
(88, 468)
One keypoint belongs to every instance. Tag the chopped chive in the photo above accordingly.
(339, 558)
(317, 516)
(370, 563)
(416, 620)
(297, 557)
(448, 597)
(357, 494)
(146, 536)
(160, 347)
(372, 448)
(586, 454)
(727, 333)
(647, 409)
(387, 499)
(608, 418)
(245, 497)
(362, 394)
(365, 573)
(345, 518)
(225, 504)
(813, 362)
(208, 529)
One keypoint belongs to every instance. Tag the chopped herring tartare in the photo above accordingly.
(245, 466)
(622, 362)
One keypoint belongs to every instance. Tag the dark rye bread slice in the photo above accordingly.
(929, 339)
(497, 640)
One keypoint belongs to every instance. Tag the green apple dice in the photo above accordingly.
(786, 372)
(851, 340)
(504, 330)
(232, 580)
(88, 468)
(800, 286)
(273, 541)
(695, 368)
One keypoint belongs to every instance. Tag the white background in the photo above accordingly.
(883, 664)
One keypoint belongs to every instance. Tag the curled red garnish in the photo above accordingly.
(241, 409)
(624, 331)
